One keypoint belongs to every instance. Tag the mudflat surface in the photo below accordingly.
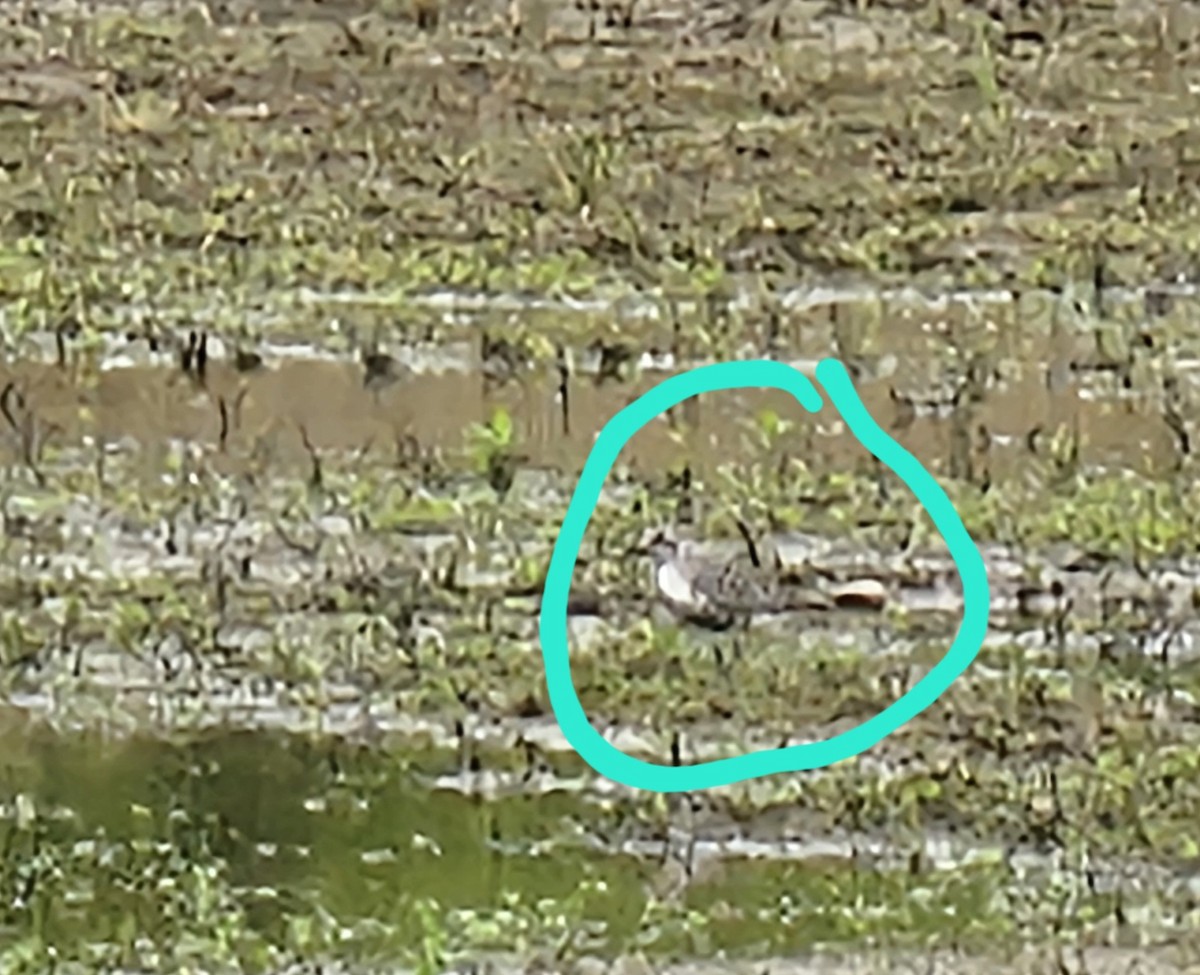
(311, 313)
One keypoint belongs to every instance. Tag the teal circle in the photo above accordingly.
(610, 761)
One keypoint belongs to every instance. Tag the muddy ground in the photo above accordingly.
(311, 313)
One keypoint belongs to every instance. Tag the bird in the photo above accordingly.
(717, 597)
(711, 596)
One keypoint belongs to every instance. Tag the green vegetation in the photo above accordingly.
(311, 312)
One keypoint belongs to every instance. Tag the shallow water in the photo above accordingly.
(291, 825)
(1035, 387)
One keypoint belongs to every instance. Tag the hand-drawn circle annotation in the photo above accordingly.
(608, 760)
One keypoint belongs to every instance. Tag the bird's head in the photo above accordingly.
(660, 543)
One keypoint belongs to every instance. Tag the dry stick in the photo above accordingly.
(748, 536)
(1099, 261)
(187, 354)
(9, 391)
(202, 358)
(308, 551)
(1173, 417)
(26, 430)
(685, 509)
(316, 478)
(223, 434)
(224, 411)
(564, 390)
(237, 405)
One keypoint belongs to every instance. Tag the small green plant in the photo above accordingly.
(493, 450)
(432, 954)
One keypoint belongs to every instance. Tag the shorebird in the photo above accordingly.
(717, 596)
(696, 591)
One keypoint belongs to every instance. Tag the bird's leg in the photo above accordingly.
(737, 640)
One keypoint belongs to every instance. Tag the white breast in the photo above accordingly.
(674, 585)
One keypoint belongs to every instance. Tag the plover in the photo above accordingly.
(716, 596)
(709, 595)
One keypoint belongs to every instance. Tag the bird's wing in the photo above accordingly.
(737, 588)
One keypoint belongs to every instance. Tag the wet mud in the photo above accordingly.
(310, 314)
